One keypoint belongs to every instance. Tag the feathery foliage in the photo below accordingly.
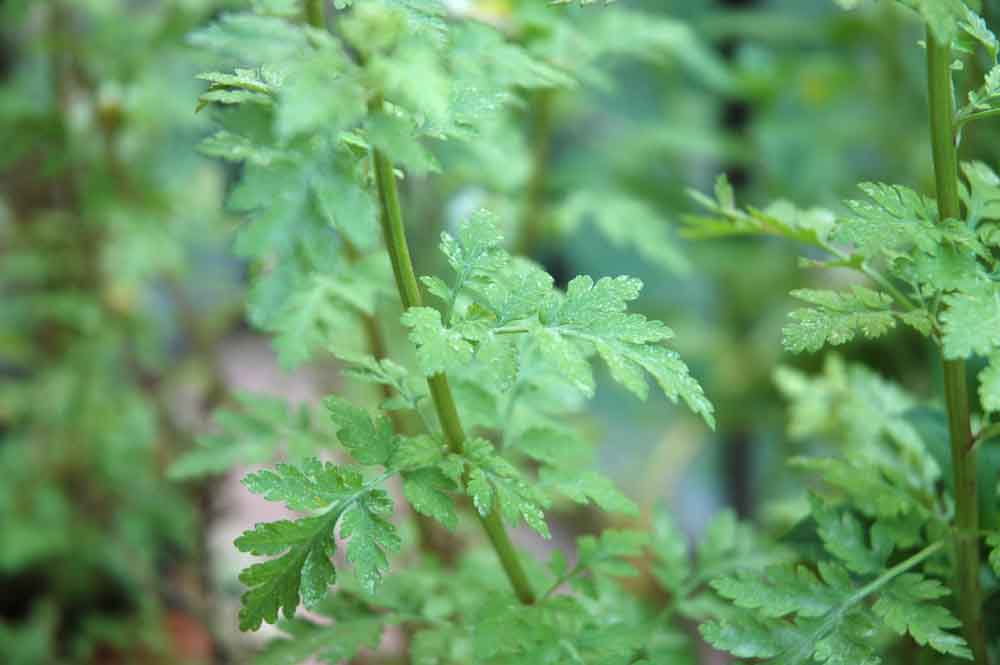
(479, 414)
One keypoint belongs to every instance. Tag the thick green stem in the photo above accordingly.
(963, 455)
(444, 402)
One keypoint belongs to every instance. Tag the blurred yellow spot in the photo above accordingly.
(494, 9)
(815, 89)
(120, 298)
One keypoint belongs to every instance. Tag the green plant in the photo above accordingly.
(104, 211)
(479, 403)
(889, 529)
(478, 409)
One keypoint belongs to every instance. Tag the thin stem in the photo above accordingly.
(511, 330)
(987, 433)
(879, 279)
(971, 117)
(565, 577)
(444, 402)
(873, 275)
(963, 455)
(431, 536)
(895, 571)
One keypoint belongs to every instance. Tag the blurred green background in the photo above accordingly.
(122, 317)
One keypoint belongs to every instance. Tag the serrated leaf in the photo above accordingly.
(397, 138)
(982, 196)
(970, 322)
(370, 441)
(499, 358)
(439, 349)
(864, 483)
(975, 26)
(844, 537)
(585, 486)
(989, 384)
(566, 357)
(831, 624)
(304, 569)
(371, 538)
(515, 291)
(780, 218)
(893, 219)
(494, 483)
(320, 92)
(428, 491)
(983, 98)
(330, 643)
(744, 637)
(942, 16)
(782, 591)
(437, 287)
(902, 606)
(313, 485)
(415, 452)
(838, 318)
(476, 250)
(630, 344)
(222, 96)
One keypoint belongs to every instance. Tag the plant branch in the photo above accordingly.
(986, 433)
(971, 117)
(894, 572)
(939, 86)
(444, 402)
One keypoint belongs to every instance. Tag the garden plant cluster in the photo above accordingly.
(410, 189)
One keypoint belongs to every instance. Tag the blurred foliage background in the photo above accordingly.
(122, 320)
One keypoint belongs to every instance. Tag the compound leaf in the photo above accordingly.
(837, 318)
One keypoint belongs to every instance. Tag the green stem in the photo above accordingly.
(531, 232)
(430, 535)
(893, 573)
(444, 402)
(963, 455)
(316, 13)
